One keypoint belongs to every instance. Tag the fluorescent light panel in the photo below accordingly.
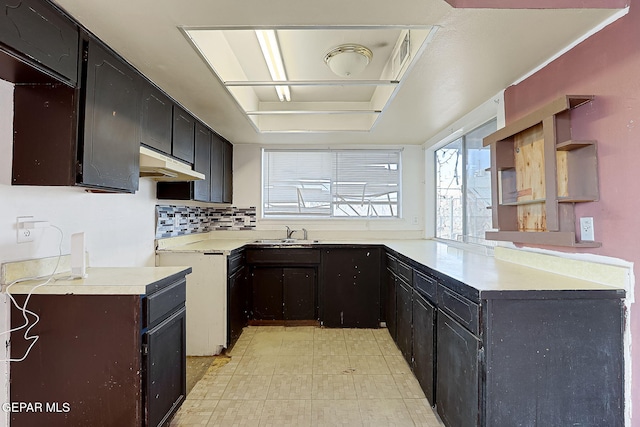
(273, 58)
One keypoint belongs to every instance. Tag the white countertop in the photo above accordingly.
(100, 281)
(484, 273)
(215, 246)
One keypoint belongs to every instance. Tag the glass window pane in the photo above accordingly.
(478, 185)
(449, 191)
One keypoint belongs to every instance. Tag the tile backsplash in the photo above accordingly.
(174, 221)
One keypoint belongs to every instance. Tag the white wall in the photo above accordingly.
(247, 192)
(119, 228)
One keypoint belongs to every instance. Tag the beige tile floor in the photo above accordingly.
(309, 376)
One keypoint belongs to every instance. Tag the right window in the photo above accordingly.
(463, 187)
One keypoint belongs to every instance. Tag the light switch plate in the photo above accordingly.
(586, 229)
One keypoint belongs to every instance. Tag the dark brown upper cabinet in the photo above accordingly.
(36, 34)
(227, 162)
(88, 136)
(111, 150)
(213, 158)
(202, 163)
(221, 170)
(217, 169)
(183, 135)
(157, 115)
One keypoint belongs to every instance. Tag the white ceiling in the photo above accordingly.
(474, 54)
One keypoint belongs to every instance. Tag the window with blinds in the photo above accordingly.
(330, 183)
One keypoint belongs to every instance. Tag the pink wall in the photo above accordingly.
(606, 65)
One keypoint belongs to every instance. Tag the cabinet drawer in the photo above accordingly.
(426, 285)
(284, 256)
(405, 271)
(392, 263)
(461, 309)
(162, 303)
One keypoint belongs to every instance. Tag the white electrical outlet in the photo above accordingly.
(586, 229)
(24, 234)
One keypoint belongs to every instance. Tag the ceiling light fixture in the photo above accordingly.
(348, 59)
(273, 58)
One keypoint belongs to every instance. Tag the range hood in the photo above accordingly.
(161, 167)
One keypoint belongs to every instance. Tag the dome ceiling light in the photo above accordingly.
(348, 59)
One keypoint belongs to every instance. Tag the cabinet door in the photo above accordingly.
(183, 135)
(457, 378)
(44, 154)
(404, 333)
(217, 169)
(351, 287)
(391, 308)
(111, 144)
(227, 188)
(165, 368)
(88, 355)
(267, 293)
(202, 163)
(299, 293)
(423, 344)
(40, 32)
(238, 305)
(156, 119)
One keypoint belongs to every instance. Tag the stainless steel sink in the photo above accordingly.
(284, 242)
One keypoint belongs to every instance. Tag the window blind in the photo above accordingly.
(331, 183)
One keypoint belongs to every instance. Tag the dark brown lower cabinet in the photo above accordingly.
(284, 293)
(268, 293)
(554, 361)
(404, 320)
(351, 287)
(299, 294)
(424, 321)
(164, 368)
(458, 374)
(284, 283)
(238, 296)
(539, 358)
(390, 303)
(102, 360)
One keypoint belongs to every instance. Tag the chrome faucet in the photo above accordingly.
(290, 232)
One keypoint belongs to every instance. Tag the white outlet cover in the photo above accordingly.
(24, 235)
(586, 229)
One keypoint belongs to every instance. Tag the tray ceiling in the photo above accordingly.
(473, 55)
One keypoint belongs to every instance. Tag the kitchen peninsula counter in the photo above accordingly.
(105, 281)
(484, 274)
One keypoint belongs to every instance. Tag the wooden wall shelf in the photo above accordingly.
(538, 172)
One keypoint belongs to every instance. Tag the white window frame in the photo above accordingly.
(491, 109)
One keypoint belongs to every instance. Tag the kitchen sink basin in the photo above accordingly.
(284, 242)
